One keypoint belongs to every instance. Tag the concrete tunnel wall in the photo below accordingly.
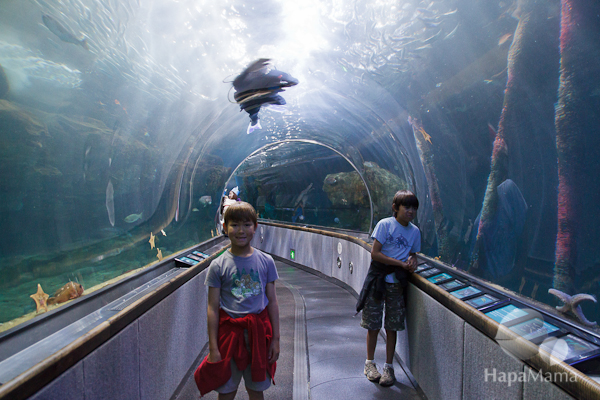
(151, 357)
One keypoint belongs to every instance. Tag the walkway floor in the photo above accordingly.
(336, 345)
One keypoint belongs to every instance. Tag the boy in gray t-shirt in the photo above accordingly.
(241, 291)
(242, 281)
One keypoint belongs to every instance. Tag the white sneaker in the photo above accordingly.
(371, 372)
(387, 378)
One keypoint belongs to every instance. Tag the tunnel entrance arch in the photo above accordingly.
(278, 144)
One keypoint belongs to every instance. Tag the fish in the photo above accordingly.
(258, 85)
(86, 161)
(452, 32)
(432, 38)
(303, 196)
(501, 237)
(133, 217)
(425, 11)
(62, 32)
(110, 202)
(468, 233)
(504, 39)
(195, 209)
(163, 232)
(427, 46)
(205, 200)
(69, 291)
(117, 102)
(336, 220)
(48, 171)
(430, 22)
(492, 131)
(40, 299)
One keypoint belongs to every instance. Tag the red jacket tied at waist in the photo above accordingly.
(209, 376)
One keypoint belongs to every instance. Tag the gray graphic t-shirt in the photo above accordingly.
(242, 281)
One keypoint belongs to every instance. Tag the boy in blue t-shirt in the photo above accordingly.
(396, 240)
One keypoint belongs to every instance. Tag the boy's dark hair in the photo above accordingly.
(405, 198)
(240, 212)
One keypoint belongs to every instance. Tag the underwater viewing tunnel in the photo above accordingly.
(124, 125)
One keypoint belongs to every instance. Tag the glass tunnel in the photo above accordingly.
(119, 126)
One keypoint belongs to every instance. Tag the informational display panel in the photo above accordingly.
(569, 348)
(187, 260)
(439, 278)
(505, 314)
(534, 328)
(422, 267)
(430, 272)
(482, 301)
(200, 254)
(468, 291)
(452, 284)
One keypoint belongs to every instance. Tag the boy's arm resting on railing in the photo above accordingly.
(378, 256)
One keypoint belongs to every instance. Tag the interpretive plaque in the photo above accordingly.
(482, 301)
(187, 260)
(422, 267)
(505, 314)
(439, 278)
(200, 254)
(468, 291)
(569, 348)
(194, 257)
(533, 328)
(452, 284)
(429, 272)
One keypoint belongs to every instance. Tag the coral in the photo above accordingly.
(575, 133)
(4, 87)
(509, 123)
(30, 123)
(346, 189)
(423, 141)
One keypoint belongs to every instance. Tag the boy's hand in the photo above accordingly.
(411, 264)
(273, 351)
(214, 356)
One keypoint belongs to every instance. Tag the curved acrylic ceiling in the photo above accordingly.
(287, 153)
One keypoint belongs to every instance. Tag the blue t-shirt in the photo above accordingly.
(397, 241)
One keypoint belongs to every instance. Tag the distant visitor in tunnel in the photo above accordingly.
(395, 244)
(227, 201)
(300, 203)
(243, 314)
(257, 86)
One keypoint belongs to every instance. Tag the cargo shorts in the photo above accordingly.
(395, 310)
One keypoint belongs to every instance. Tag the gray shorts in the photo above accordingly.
(236, 377)
(372, 314)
